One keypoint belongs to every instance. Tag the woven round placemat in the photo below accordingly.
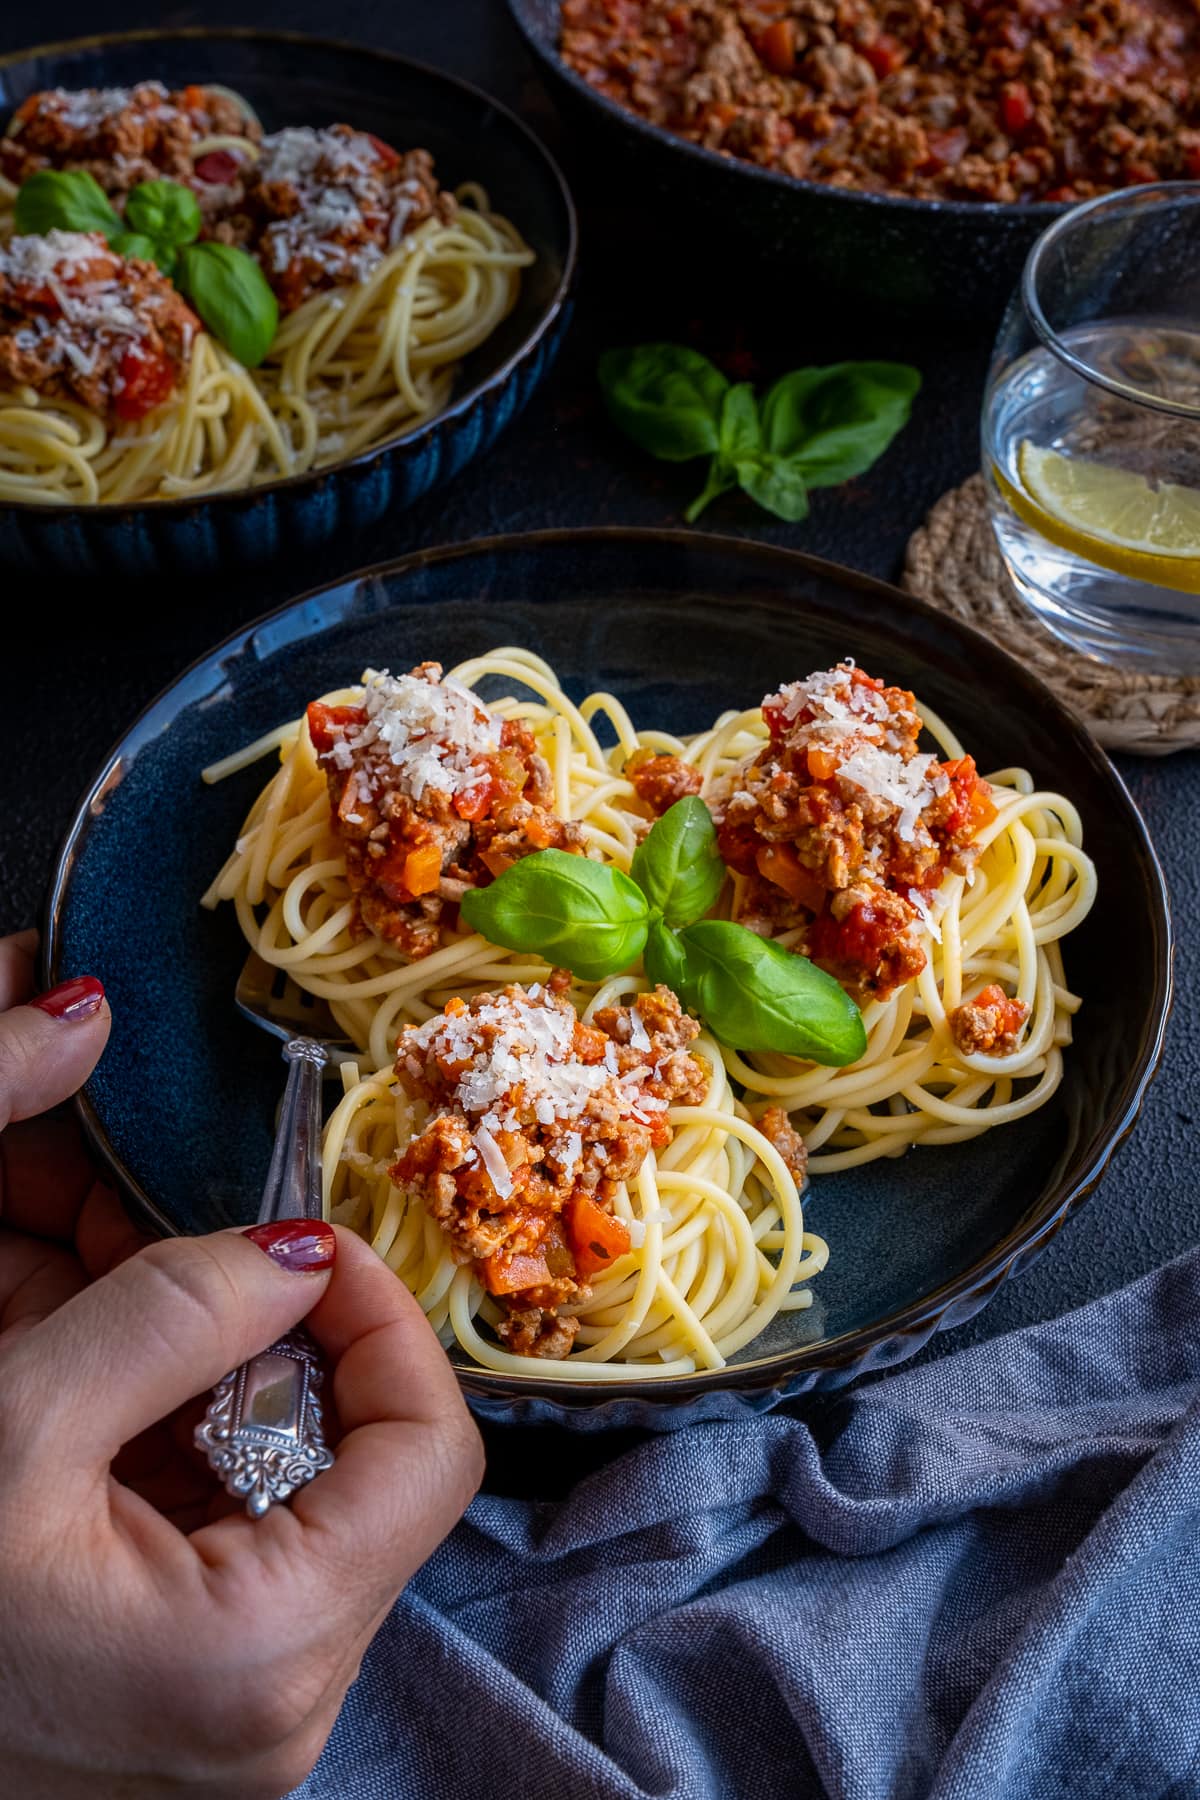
(953, 562)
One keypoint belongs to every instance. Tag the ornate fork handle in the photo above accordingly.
(263, 1433)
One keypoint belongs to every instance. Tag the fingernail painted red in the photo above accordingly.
(81, 998)
(299, 1245)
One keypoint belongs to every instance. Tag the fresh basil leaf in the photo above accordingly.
(135, 243)
(64, 200)
(664, 960)
(832, 423)
(777, 485)
(230, 292)
(568, 909)
(677, 865)
(721, 477)
(755, 995)
(741, 434)
(166, 211)
(666, 397)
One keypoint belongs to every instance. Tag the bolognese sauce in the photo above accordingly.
(79, 322)
(842, 831)
(969, 100)
(123, 136)
(322, 208)
(532, 1121)
(430, 795)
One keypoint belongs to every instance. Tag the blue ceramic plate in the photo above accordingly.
(293, 80)
(947, 258)
(679, 626)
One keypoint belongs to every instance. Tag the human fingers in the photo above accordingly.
(408, 1463)
(163, 1326)
(105, 1235)
(36, 1278)
(46, 1175)
(49, 1047)
(17, 955)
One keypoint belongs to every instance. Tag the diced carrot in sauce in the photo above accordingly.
(422, 870)
(509, 1274)
(780, 864)
(597, 1238)
(777, 47)
(822, 764)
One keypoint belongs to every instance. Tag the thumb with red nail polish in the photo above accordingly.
(303, 1246)
(49, 1047)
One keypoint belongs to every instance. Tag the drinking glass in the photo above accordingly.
(1091, 429)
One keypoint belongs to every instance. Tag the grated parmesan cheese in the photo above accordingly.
(431, 733)
(924, 912)
(517, 1050)
(907, 787)
(839, 707)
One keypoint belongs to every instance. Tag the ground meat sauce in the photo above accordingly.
(1041, 100)
(842, 831)
(989, 1025)
(533, 1121)
(778, 1130)
(79, 322)
(123, 135)
(659, 780)
(430, 795)
(322, 208)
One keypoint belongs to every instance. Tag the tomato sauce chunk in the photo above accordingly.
(429, 796)
(843, 830)
(321, 209)
(78, 322)
(531, 1122)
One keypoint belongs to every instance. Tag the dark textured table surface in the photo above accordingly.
(79, 663)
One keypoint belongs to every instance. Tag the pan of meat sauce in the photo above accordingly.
(917, 148)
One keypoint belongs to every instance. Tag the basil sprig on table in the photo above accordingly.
(161, 224)
(814, 428)
(596, 921)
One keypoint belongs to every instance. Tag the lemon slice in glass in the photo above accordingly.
(1110, 516)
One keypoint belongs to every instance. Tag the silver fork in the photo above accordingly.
(263, 1432)
(270, 999)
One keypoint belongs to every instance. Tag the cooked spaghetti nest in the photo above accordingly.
(1032, 884)
(718, 1250)
(349, 369)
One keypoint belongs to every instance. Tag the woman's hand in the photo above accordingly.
(148, 1645)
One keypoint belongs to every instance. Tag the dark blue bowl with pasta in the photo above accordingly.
(299, 81)
(678, 627)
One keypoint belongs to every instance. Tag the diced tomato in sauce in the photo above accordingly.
(217, 168)
(323, 720)
(973, 806)
(146, 381)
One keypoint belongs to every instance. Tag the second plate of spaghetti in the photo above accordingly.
(729, 989)
(231, 262)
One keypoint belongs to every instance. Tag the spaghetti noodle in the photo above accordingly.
(694, 1290)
